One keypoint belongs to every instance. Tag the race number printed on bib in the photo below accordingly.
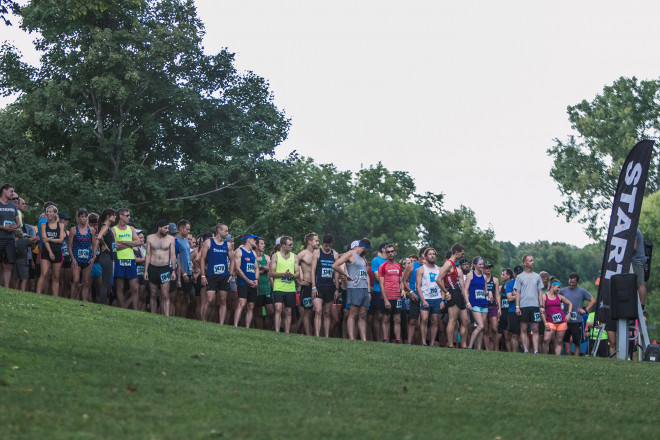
(326, 272)
(140, 270)
(83, 254)
(125, 263)
(249, 267)
(505, 303)
(307, 303)
(574, 316)
(399, 303)
(479, 294)
(165, 277)
(537, 317)
(218, 269)
(7, 223)
(556, 318)
(433, 291)
(286, 280)
(363, 274)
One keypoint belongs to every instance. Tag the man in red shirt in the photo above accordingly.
(390, 278)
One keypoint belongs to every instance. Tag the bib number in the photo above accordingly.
(363, 274)
(140, 270)
(307, 303)
(218, 269)
(7, 223)
(65, 252)
(164, 277)
(286, 280)
(114, 247)
(326, 272)
(249, 267)
(537, 317)
(479, 294)
(505, 303)
(556, 318)
(399, 304)
(433, 291)
(574, 316)
(125, 263)
(83, 254)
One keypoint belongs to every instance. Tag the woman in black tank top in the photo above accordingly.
(52, 235)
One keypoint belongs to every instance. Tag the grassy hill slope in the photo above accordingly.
(79, 370)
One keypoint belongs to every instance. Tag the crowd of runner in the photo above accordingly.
(423, 299)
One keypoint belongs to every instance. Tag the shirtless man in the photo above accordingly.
(157, 269)
(305, 262)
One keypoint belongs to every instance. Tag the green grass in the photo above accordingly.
(74, 371)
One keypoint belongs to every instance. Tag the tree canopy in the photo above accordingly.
(586, 166)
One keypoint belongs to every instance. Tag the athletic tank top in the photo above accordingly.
(490, 287)
(248, 266)
(139, 253)
(429, 288)
(264, 285)
(358, 273)
(125, 235)
(412, 282)
(285, 284)
(81, 248)
(216, 258)
(324, 272)
(477, 291)
(505, 301)
(54, 234)
(553, 311)
(110, 247)
(451, 279)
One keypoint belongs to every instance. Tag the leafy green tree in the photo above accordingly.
(127, 110)
(6, 8)
(586, 166)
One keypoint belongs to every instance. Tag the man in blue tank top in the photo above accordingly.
(245, 267)
(215, 271)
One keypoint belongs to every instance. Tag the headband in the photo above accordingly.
(364, 245)
(555, 283)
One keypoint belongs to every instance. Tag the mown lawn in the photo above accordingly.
(76, 370)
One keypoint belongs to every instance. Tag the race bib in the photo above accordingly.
(399, 303)
(433, 291)
(140, 270)
(537, 317)
(363, 274)
(65, 252)
(307, 303)
(505, 303)
(326, 272)
(556, 318)
(114, 247)
(479, 294)
(249, 267)
(165, 277)
(574, 316)
(218, 269)
(83, 254)
(286, 280)
(407, 303)
(7, 223)
(125, 263)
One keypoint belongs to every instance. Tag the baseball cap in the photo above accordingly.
(173, 229)
(246, 236)
(518, 269)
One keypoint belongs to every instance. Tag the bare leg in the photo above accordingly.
(248, 314)
(434, 328)
(239, 310)
(165, 298)
(222, 311)
(277, 319)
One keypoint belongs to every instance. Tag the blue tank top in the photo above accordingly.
(324, 272)
(248, 267)
(81, 248)
(478, 291)
(216, 258)
(412, 282)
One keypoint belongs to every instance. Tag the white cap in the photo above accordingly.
(355, 244)
(277, 241)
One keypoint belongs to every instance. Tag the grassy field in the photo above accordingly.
(75, 370)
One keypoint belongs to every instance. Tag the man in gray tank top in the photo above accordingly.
(359, 294)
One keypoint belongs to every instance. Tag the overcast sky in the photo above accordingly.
(466, 96)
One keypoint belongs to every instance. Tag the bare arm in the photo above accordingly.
(345, 258)
(172, 257)
(147, 258)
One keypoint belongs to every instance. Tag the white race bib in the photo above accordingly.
(326, 272)
(125, 263)
(433, 291)
(218, 269)
(83, 254)
(556, 318)
(363, 274)
(165, 277)
(479, 294)
(249, 267)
